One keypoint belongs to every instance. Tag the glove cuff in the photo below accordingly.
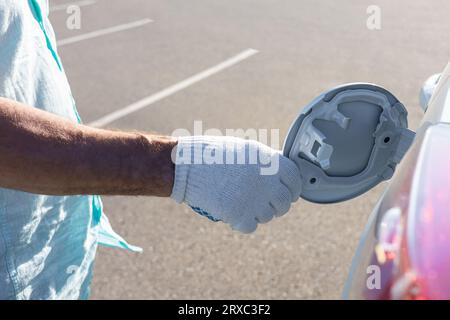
(180, 183)
(181, 174)
(189, 151)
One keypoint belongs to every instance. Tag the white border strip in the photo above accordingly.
(107, 119)
(82, 3)
(103, 32)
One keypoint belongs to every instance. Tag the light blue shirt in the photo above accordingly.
(47, 243)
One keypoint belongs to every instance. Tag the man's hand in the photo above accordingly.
(239, 182)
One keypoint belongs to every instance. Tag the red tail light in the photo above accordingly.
(429, 216)
(411, 230)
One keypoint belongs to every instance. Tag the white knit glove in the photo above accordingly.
(239, 182)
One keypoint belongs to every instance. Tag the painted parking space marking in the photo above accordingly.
(147, 101)
(103, 32)
(64, 6)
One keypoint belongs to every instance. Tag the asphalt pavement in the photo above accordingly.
(159, 65)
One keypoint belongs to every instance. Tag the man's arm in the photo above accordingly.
(46, 154)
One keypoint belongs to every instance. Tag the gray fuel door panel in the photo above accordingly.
(347, 141)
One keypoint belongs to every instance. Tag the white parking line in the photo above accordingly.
(102, 32)
(64, 6)
(107, 119)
